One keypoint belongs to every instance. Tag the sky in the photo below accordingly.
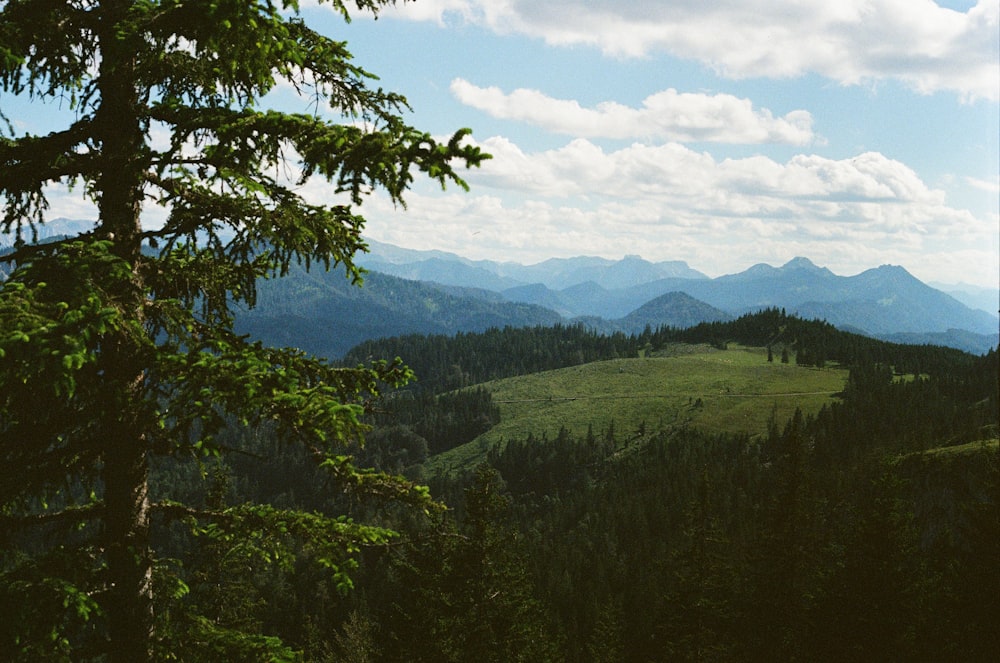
(722, 133)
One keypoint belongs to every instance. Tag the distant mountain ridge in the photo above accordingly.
(973, 296)
(322, 313)
(555, 273)
(54, 228)
(434, 292)
(880, 301)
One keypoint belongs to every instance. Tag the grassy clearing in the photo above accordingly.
(733, 390)
(962, 449)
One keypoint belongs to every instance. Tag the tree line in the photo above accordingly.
(443, 363)
(837, 535)
(172, 491)
(439, 411)
(849, 534)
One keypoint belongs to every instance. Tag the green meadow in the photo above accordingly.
(733, 390)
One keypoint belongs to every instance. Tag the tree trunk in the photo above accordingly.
(130, 606)
(119, 187)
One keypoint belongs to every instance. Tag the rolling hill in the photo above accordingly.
(735, 390)
(674, 309)
(323, 314)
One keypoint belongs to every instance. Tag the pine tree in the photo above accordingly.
(468, 596)
(117, 343)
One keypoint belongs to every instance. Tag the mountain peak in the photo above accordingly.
(895, 274)
(800, 262)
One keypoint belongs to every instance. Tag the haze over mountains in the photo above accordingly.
(433, 292)
(973, 296)
(884, 301)
(555, 273)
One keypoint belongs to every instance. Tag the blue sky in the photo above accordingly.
(853, 133)
(856, 133)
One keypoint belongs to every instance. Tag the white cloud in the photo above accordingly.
(991, 186)
(671, 202)
(490, 227)
(673, 171)
(928, 47)
(670, 115)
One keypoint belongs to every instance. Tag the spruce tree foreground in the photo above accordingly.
(116, 345)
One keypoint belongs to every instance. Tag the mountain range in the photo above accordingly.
(322, 313)
(434, 292)
(555, 273)
(973, 296)
(884, 301)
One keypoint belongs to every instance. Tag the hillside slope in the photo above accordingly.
(735, 390)
(323, 314)
(674, 309)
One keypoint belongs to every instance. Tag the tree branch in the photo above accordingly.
(82, 513)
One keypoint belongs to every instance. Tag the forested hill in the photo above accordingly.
(324, 314)
(448, 362)
(865, 531)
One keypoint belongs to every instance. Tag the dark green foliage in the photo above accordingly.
(833, 537)
(118, 344)
(956, 502)
(816, 541)
(464, 593)
(869, 604)
(443, 363)
(445, 420)
(682, 546)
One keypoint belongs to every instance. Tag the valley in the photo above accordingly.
(674, 493)
(721, 473)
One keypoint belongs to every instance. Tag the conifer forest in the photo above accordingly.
(767, 488)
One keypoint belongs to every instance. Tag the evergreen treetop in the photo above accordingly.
(117, 343)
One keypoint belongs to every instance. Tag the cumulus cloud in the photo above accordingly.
(670, 115)
(928, 47)
(672, 170)
(672, 202)
(497, 228)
